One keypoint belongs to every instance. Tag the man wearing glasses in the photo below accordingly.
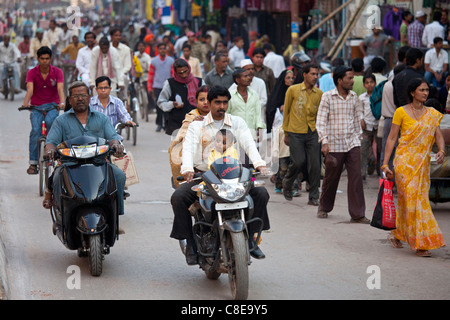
(109, 105)
(81, 120)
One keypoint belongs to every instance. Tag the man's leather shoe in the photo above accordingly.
(287, 194)
(191, 254)
(256, 253)
(313, 202)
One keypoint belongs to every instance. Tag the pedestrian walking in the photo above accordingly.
(419, 127)
(299, 124)
(339, 129)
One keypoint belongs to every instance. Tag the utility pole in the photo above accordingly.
(295, 27)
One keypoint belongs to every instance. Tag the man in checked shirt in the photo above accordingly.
(339, 128)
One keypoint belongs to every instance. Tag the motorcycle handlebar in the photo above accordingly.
(124, 125)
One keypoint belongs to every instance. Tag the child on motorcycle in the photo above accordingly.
(223, 146)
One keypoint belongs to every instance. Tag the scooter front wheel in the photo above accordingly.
(95, 255)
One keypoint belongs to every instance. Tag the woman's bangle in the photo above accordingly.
(443, 151)
(384, 166)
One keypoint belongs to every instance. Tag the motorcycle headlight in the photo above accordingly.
(231, 190)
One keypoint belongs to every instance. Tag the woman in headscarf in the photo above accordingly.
(276, 98)
(178, 96)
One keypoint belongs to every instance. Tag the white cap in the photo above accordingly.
(420, 14)
(246, 62)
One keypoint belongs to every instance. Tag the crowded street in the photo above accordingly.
(306, 258)
(207, 151)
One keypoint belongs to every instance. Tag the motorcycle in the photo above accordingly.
(84, 213)
(8, 82)
(220, 225)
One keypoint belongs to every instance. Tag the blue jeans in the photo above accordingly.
(36, 125)
(431, 79)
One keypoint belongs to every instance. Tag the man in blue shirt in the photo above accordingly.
(81, 120)
(109, 105)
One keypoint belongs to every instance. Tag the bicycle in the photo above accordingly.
(45, 164)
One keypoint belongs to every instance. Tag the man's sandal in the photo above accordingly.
(394, 241)
(32, 169)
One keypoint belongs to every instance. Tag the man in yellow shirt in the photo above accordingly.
(299, 124)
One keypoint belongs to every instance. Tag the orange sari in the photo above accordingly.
(415, 223)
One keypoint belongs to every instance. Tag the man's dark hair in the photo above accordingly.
(259, 51)
(369, 76)
(358, 65)
(101, 79)
(402, 52)
(160, 44)
(89, 33)
(218, 91)
(437, 40)
(103, 41)
(412, 55)
(220, 54)
(437, 15)
(114, 30)
(44, 50)
(237, 74)
(307, 68)
(339, 73)
(377, 65)
(186, 45)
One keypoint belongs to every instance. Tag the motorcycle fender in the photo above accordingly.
(91, 223)
(234, 226)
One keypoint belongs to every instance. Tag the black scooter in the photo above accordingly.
(84, 213)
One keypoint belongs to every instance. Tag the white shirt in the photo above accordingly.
(145, 61)
(435, 61)
(53, 35)
(9, 54)
(369, 119)
(117, 68)
(431, 31)
(125, 57)
(83, 60)
(236, 55)
(64, 39)
(275, 62)
(206, 130)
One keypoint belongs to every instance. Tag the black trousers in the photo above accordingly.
(184, 197)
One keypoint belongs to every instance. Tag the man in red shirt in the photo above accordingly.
(45, 89)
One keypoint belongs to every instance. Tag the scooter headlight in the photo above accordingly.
(231, 190)
(85, 151)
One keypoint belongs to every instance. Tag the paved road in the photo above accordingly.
(307, 258)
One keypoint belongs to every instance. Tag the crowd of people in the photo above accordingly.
(360, 115)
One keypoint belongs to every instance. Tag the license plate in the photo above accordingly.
(231, 206)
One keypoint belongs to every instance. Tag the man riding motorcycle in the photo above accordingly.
(9, 54)
(194, 160)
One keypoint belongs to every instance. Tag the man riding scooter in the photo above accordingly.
(9, 55)
(78, 121)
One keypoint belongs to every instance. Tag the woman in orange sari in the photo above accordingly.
(419, 127)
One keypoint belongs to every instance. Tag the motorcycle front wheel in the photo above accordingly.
(238, 269)
(95, 255)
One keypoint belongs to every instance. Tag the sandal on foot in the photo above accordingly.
(394, 241)
(48, 200)
(32, 169)
(423, 253)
